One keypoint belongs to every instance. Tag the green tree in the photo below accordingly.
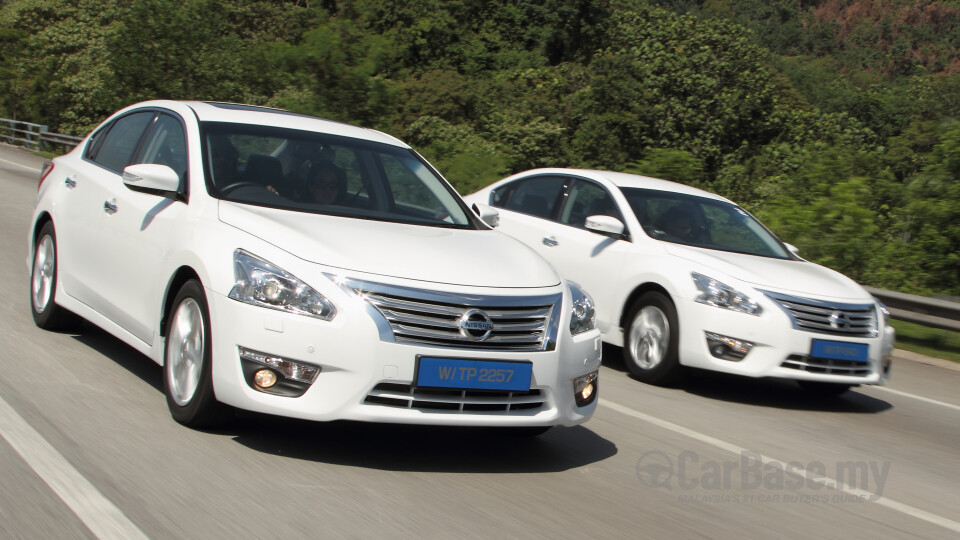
(12, 42)
(338, 72)
(929, 229)
(830, 208)
(465, 158)
(670, 81)
(669, 164)
(61, 77)
(216, 49)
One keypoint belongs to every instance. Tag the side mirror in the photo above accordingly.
(605, 225)
(488, 214)
(792, 249)
(151, 177)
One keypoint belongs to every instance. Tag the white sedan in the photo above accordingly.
(683, 277)
(294, 266)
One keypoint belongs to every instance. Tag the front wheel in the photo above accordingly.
(43, 284)
(652, 339)
(187, 366)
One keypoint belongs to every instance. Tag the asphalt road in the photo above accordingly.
(88, 450)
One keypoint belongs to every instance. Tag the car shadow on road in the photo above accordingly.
(394, 447)
(398, 447)
(766, 392)
(124, 355)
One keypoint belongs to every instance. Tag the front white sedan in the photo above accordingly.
(305, 268)
(683, 277)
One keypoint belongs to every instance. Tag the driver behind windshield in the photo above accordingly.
(223, 159)
(328, 184)
(676, 222)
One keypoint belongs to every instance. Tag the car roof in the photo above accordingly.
(212, 111)
(628, 180)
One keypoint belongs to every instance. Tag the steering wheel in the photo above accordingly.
(237, 185)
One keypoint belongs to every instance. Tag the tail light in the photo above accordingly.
(44, 172)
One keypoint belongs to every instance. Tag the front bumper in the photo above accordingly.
(366, 378)
(779, 350)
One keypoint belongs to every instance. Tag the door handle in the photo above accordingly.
(110, 207)
(550, 241)
(70, 183)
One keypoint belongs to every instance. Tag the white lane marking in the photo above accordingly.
(101, 516)
(22, 166)
(918, 398)
(813, 477)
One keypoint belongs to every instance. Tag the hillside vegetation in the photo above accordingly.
(837, 122)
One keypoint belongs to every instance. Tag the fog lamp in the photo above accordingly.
(265, 378)
(727, 348)
(585, 388)
(291, 369)
(276, 375)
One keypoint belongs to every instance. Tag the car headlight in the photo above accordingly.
(263, 284)
(715, 293)
(884, 314)
(583, 315)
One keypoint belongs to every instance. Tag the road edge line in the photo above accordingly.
(98, 513)
(826, 481)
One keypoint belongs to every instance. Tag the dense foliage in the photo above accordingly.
(836, 121)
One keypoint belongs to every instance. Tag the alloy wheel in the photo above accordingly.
(649, 337)
(184, 360)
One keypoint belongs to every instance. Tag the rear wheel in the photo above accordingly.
(43, 284)
(652, 339)
(824, 389)
(187, 367)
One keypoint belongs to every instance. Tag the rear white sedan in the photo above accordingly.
(306, 268)
(683, 277)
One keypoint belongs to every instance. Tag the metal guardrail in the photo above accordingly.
(931, 312)
(35, 136)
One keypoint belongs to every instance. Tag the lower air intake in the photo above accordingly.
(406, 396)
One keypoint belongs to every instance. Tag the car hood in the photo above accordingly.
(799, 277)
(481, 258)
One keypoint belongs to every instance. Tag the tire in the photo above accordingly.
(824, 389)
(43, 284)
(187, 364)
(651, 340)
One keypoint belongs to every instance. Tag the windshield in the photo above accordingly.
(701, 222)
(313, 172)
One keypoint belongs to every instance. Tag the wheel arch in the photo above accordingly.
(634, 295)
(42, 219)
(181, 276)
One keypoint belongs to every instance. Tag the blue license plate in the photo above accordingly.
(839, 350)
(474, 374)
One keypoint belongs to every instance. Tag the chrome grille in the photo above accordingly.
(455, 401)
(854, 320)
(826, 366)
(519, 323)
